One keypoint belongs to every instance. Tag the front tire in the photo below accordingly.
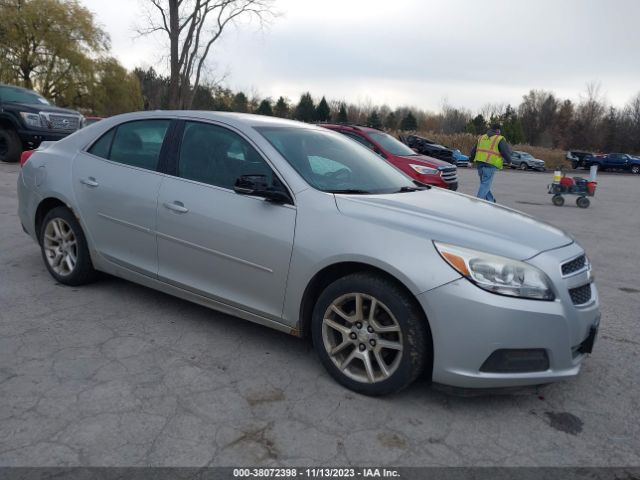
(635, 169)
(64, 248)
(558, 200)
(370, 335)
(10, 146)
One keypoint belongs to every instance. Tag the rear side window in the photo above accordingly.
(137, 144)
(359, 139)
(101, 147)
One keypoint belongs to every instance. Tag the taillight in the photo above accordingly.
(25, 156)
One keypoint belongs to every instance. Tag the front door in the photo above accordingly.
(116, 186)
(232, 248)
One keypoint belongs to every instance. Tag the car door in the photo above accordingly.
(116, 185)
(212, 241)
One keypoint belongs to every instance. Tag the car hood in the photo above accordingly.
(429, 161)
(458, 219)
(35, 108)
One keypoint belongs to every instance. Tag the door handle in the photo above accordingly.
(89, 182)
(177, 207)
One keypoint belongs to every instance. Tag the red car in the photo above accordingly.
(424, 169)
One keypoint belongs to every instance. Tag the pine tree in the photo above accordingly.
(477, 125)
(323, 112)
(373, 120)
(240, 103)
(391, 122)
(409, 123)
(265, 108)
(305, 111)
(342, 114)
(282, 108)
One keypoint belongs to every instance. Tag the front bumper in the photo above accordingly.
(33, 138)
(469, 324)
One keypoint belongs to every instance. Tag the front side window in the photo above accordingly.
(332, 163)
(216, 156)
(136, 144)
(359, 139)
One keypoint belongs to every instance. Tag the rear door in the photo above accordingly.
(212, 241)
(116, 185)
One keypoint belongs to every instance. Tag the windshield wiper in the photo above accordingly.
(349, 190)
(409, 189)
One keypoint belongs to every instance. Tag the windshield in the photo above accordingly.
(333, 163)
(18, 95)
(391, 145)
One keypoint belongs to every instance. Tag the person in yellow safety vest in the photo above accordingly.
(490, 154)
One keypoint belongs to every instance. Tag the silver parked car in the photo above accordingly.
(301, 229)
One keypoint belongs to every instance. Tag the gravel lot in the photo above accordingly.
(115, 374)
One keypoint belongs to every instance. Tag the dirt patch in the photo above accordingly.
(268, 396)
(392, 440)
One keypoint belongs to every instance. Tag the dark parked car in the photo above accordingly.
(27, 119)
(614, 161)
(427, 147)
(421, 168)
(577, 158)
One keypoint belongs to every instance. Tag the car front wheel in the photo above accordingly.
(635, 169)
(370, 335)
(64, 248)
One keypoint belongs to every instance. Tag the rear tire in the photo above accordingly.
(10, 146)
(64, 248)
(574, 165)
(370, 335)
(558, 200)
(582, 202)
(523, 166)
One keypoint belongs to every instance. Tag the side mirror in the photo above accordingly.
(258, 186)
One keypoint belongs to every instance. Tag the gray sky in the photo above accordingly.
(410, 52)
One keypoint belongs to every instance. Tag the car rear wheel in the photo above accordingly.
(523, 166)
(558, 200)
(10, 146)
(370, 335)
(64, 248)
(574, 165)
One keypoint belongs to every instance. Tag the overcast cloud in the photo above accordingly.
(406, 52)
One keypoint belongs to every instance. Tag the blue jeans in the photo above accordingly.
(486, 173)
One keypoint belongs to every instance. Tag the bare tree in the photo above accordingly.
(192, 27)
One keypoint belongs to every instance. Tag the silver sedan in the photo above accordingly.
(303, 230)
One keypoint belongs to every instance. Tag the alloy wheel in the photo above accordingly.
(60, 247)
(362, 338)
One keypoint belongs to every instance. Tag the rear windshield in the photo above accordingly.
(19, 95)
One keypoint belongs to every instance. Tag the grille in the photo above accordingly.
(574, 265)
(64, 122)
(449, 175)
(581, 295)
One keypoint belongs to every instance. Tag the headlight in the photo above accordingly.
(32, 119)
(498, 274)
(424, 170)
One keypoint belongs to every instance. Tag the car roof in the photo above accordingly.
(233, 119)
(350, 126)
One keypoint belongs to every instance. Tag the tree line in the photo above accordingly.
(57, 48)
